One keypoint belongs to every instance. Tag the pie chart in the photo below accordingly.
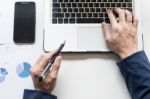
(3, 74)
(23, 70)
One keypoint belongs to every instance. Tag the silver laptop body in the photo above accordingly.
(79, 23)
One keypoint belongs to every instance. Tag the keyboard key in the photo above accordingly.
(74, 5)
(104, 0)
(107, 20)
(110, 0)
(86, 9)
(84, 15)
(93, 0)
(71, 0)
(92, 10)
(85, 4)
(56, 5)
(87, 0)
(58, 15)
(64, 9)
(69, 9)
(101, 15)
(95, 14)
(76, 0)
(103, 9)
(60, 0)
(106, 15)
(72, 15)
(75, 10)
(79, 4)
(118, 4)
(78, 14)
(54, 21)
(89, 20)
(99, 1)
(72, 20)
(82, 0)
(54, 0)
(89, 15)
(120, 0)
(65, 0)
(101, 4)
(81, 10)
(128, 0)
(123, 4)
(68, 4)
(66, 20)
(60, 21)
(97, 9)
(56, 10)
(90, 4)
(96, 4)
(113, 5)
(67, 15)
(129, 4)
(107, 4)
(63, 5)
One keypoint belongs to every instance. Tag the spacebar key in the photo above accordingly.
(90, 20)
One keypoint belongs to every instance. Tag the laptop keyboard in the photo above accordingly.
(85, 11)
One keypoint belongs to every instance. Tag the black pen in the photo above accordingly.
(46, 70)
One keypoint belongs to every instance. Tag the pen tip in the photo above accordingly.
(40, 79)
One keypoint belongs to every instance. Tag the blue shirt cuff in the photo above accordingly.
(33, 94)
(136, 56)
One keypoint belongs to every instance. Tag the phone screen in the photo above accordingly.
(24, 22)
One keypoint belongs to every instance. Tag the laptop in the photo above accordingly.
(79, 23)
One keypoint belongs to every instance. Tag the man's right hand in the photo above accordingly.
(48, 84)
(123, 37)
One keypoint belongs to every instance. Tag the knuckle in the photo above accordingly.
(53, 77)
(120, 11)
(107, 39)
(33, 71)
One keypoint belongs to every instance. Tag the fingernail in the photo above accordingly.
(103, 24)
(108, 10)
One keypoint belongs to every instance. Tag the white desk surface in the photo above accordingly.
(81, 76)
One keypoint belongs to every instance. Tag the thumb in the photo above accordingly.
(106, 31)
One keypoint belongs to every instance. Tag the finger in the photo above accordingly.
(39, 59)
(55, 68)
(121, 14)
(129, 17)
(106, 31)
(56, 65)
(112, 18)
(46, 59)
(135, 21)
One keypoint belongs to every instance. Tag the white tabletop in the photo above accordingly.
(81, 76)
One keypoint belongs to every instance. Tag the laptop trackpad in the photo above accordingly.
(91, 38)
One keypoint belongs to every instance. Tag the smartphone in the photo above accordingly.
(24, 22)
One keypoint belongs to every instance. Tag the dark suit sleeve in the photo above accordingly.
(136, 72)
(32, 94)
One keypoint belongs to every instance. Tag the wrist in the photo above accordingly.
(127, 54)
